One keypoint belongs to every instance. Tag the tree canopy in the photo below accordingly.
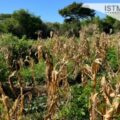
(21, 22)
(76, 11)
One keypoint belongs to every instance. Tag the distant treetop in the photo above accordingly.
(75, 12)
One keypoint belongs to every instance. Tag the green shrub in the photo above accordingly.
(38, 71)
(77, 108)
(36, 109)
(3, 69)
(112, 58)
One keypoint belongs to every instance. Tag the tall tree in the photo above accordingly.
(21, 22)
(28, 23)
(75, 12)
(107, 24)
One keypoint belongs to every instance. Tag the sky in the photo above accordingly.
(46, 9)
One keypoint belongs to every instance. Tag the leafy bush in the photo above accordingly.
(112, 58)
(38, 71)
(3, 68)
(77, 108)
(36, 107)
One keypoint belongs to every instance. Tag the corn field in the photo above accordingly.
(88, 61)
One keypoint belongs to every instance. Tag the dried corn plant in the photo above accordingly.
(106, 103)
(57, 86)
(12, 110)
(84, 45)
